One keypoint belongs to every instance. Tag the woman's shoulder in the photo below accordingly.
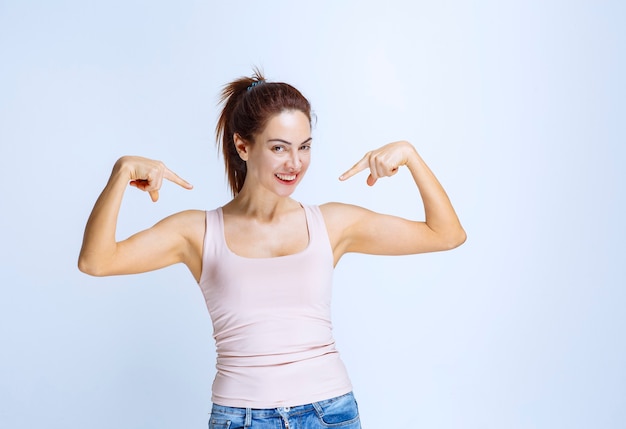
(340, 209)
(340, 215)
(185, 221)
(190, 214)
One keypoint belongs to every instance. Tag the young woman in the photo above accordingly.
(264, 261)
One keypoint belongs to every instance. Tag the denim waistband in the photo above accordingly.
(249, 413)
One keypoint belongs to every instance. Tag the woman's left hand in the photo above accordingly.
(382, 162)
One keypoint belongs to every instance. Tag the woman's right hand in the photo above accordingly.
(147, 174)
(177, 238)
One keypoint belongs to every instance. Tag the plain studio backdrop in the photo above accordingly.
(518, 107)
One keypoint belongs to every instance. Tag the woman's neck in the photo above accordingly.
(262, 206)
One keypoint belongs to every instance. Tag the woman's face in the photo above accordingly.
(281, 153)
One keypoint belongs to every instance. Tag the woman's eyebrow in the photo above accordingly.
(289, 143)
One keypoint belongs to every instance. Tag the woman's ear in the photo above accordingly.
(241, 146)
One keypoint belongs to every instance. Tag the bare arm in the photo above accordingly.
(168, 242)
(355, 229)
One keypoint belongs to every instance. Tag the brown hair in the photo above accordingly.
(248, 104)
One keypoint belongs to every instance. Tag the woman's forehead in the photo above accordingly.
(292, 126)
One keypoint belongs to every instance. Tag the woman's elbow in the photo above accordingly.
(90, 267)
(454, 239)
(86, 268)
(459, 238)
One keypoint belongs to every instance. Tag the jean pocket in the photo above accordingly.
(338, 412)
(219, 423)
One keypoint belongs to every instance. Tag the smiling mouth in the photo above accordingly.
(286, 177)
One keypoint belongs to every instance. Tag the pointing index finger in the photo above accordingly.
(356, 168)
(173, 177)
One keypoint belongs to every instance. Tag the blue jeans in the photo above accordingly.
(341, 412)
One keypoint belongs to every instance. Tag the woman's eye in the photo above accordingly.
(278, 149)
(305, 147)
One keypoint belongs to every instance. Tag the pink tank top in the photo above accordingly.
(271, 321)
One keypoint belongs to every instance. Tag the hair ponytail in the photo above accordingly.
(248, 104)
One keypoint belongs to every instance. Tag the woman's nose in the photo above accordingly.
(295, 162)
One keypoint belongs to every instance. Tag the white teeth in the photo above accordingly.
(286, 177)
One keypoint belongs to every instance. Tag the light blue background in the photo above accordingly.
(518, 106)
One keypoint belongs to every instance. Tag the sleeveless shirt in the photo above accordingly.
(272, 321)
